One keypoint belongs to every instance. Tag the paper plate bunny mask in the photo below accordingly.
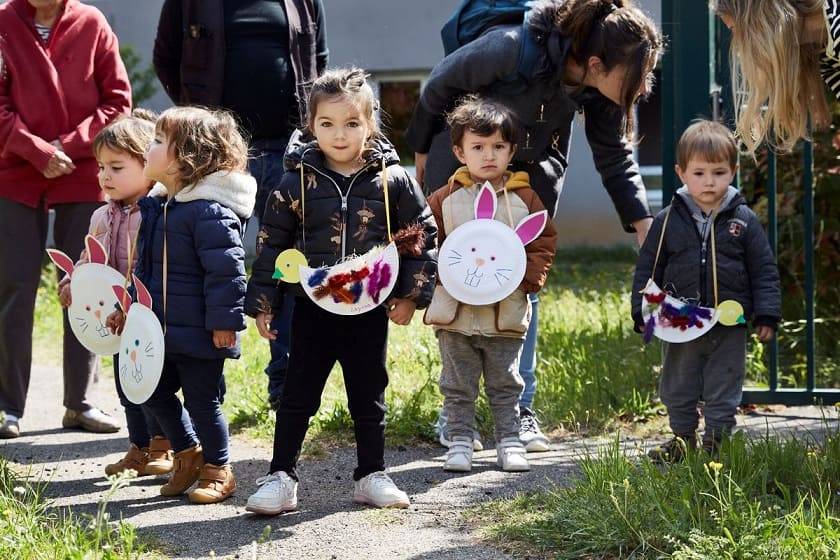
(93, 298)
(483, 261)
(141, 348)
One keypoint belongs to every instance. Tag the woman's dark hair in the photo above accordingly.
(615, 31)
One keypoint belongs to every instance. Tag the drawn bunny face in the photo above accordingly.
(141, 349)
(483, 261)
(92, 297)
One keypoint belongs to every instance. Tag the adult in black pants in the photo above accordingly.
(256, 58)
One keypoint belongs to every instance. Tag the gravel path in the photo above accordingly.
(328, 525)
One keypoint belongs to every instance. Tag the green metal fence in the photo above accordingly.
(695, 83)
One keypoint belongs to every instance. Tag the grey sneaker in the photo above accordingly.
(443, 436)
(530, 434)
(9, 428)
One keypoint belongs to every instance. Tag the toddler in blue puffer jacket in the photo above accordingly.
(191, 258)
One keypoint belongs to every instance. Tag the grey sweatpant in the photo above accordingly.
(709, 369)
(464, 358)
(23, 233)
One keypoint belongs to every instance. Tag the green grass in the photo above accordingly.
(30, 528)
(763, 498)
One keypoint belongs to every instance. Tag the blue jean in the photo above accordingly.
(528, 358)
(139, 421)
(267, 168)
(200, 381)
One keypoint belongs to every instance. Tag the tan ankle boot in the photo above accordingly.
(135, 459)
(160, 456)
(215, 484)
(185, 471)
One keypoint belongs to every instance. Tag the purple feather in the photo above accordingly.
(379, 279)
(356, 289)
(648, 334)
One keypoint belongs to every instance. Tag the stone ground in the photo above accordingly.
(328, 525)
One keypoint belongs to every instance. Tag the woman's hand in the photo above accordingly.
(116, 321)
(60, 164)
(401, 310)
(263, 321)
(420, 167)
(642, 228)
(224, 339)
(64, 295)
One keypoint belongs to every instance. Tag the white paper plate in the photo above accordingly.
(665, 331)
(141, 354)
(93, 300)
(481, 262)
(374, 259)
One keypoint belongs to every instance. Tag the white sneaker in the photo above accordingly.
(443, 437)
(510, 455)
(459, 456)
(530, 434)
(378, 490)
(277, 493)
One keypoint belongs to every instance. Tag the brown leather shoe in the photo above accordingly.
(160, 456)
(185, 471)
(215, 484)
(91, 420)
(135, 459)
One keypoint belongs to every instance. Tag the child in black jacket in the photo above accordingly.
(344, 195)
(681, 260)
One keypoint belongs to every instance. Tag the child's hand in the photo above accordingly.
(116, 321)
(263, 321)
(224, 339)
(401, 310)
(765, 333)
(64, 295)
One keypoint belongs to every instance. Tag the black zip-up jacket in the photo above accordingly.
(544, 112)
(189, 52)
(747, 271)
(340, 223)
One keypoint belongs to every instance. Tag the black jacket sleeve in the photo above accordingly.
(278, 232)
(167, 50)
(613, 155)
(644, 267)
(764, 276)
(322, 52)
(479, 63)
(416, 280)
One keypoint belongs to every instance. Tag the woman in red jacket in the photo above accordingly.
(61, 81)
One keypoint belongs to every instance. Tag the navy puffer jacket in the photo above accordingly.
(205, 261)
(340, 223)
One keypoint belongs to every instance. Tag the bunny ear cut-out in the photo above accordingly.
(96, 252)
(485, 203)
(143, 295)
(122, 298)
(61, 260)
(531, 226)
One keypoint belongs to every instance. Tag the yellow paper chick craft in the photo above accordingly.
(731, 313)
(287, 266)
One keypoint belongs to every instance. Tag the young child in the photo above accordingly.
(342, 213)
(485, 339)
(192, 260)
(120, 150)
(709, 368)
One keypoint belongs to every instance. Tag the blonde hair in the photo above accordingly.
(707, 141)
(770, 65)
(203, 141)
(346, 84)
(129, 134)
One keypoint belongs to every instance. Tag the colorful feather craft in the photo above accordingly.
(649, 326)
